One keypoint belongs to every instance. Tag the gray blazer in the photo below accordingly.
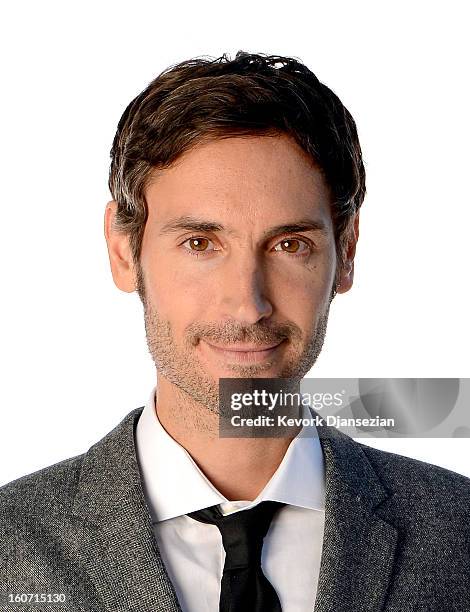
(397, 533)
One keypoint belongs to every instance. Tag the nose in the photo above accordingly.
(243, 291)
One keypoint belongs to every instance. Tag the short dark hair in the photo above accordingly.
(205, 99)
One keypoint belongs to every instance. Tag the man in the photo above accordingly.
(236, 191)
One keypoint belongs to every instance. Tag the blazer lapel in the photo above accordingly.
(116, 545)
(359, 547)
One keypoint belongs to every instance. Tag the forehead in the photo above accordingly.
(241, 180)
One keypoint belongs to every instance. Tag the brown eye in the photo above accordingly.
(198, 244)
(292, 245)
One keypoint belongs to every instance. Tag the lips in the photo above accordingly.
(243, 353)
(244, 348)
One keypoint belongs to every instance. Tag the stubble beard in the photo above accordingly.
(181, 365)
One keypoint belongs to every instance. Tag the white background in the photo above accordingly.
(73, 350)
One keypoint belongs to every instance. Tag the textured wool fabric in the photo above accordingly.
(397, 533)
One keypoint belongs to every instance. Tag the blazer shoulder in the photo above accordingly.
(420, 482)
(45, 490)
(51, 490)
(55, 486)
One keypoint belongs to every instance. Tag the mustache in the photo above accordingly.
(232, 332)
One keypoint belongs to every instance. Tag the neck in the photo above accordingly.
(239, 468)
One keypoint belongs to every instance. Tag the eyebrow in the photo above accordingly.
(189, 223)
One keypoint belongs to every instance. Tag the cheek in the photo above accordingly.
(177, 296)
(303, 294)
(306, 287)
(303, 304)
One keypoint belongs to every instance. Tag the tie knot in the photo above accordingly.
(242, 532)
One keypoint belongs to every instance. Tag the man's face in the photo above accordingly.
(237, 264)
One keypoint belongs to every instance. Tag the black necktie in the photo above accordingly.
(244, 587)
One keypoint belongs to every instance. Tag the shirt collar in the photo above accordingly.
(174, 485)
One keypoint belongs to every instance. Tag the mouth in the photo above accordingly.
(244, 353)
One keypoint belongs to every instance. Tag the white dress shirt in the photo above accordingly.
(192, 551)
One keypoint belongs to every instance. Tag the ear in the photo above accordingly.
(347, 273)
(119, 251)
